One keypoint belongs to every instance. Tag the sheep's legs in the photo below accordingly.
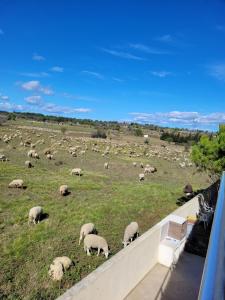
(88, 252)
(98, 252)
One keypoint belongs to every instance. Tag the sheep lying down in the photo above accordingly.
(96, 242)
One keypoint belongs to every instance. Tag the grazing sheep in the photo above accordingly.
(31, 153)
(58, 267)
(36, 155)
(149, 170)
(28, 164)
(76, 171)
(141, 176)
(64, 260)
(49, 156)
(95, 241)
(85, 230)
(134, 164)
(130, 232)
(56, 271)
(141, 165)
(16, 183)
(35, 214)
(106, 165)
(3, 157)
(64, 190)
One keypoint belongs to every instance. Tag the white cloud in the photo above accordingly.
(217, 71)
(117, 79)
(34, 85)
(57, 69)
(38, 57)
(195, 119)
(1, 32)
(7, 106)
(94, 74)
(4, 97)
(58, 109)
(122, 54)
(161, 74)
(167, 38)
(34, 100)
(38, 75)
(147, 49)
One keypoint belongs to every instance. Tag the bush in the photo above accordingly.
(100, 133)
(138, 132)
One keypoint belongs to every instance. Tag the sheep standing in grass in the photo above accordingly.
(35, 214)
(16, 183)
(28, 164)
(85, 230)
(49, 156)
(134, 164)
(64, 190)
(76, 171)
(131, 231)
(141, 176)
(106, 165)
(141, 165)
(95, 241)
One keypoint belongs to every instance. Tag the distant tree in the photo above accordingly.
(209, 153)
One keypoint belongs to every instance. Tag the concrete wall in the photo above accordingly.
(115, 278)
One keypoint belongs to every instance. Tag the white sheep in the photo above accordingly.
(141, 176)
(28, 164)
(56, 271)
(64, 190)
(64, 260)
(85, 230)
(134, 164)
(130, 232)
(49, 156)
(35, 214)
(76, 171)
(16, 183)
(95, 241)
(106, 165)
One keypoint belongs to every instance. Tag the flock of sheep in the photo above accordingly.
(88, 233)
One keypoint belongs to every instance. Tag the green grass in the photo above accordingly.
(109, 198)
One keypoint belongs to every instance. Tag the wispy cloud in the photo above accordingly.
(34, 100)
(220, 28)
(93, 74)
(147, 49)
(35, 75)
(117, 79)
(217, 71)
(38, 57)
(7, 106)
(121, 54)
(1, 32)
(166, 38)
(193, 119)
(161, 74)
(57, 69)
(58, 109)
(34, 85)
(4, 97)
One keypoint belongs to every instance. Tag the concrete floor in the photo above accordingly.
(182, 282)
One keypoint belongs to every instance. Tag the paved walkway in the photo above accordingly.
(181, 283)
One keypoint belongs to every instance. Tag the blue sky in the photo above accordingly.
(160, 62)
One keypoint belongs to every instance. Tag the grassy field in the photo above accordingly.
(110, 199)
